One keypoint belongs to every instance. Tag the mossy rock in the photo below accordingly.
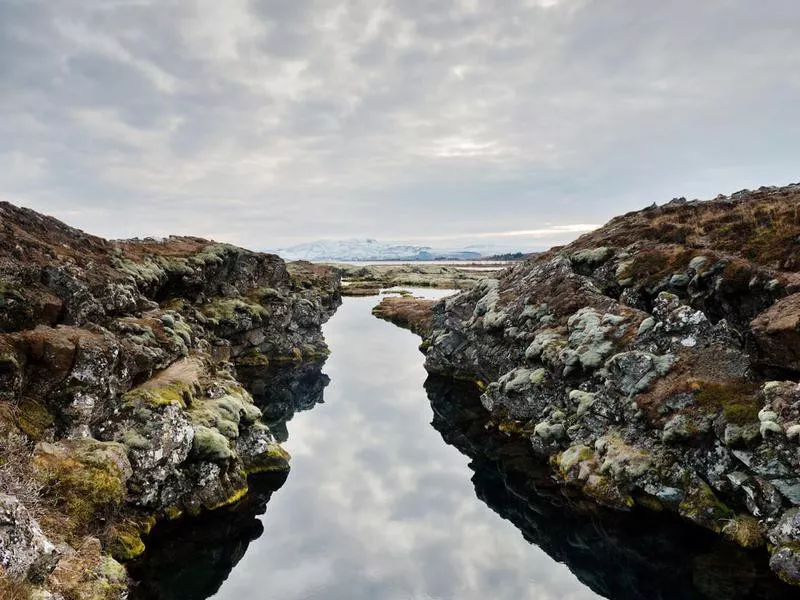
(87, 478)
(235, 496)
(701, 506)
(274, 460)
(33, 419)
(739, 400)
(745, 531)
(225, 414)
(178, 393)
(606, 492)
(232, 309)
(253, 358)
(210, 444)
(125, 541)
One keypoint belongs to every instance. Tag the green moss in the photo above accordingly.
(173, 513)
(700, 505)
(649, 502)
(134, 440)
(253, 358)
(265, 295)
(84, 478)
(213, 254)
(125, 542)
(233, 498)
(606, 492)
(738, 401)
(572, 457)
(33, 419)
(149, 272)
(210, 444)
(274, 460)
(231, 309)
(224, 414)
(744, 530)
(296, 356)
(178, 393)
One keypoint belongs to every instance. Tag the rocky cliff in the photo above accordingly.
(119, 398)
(653, 363)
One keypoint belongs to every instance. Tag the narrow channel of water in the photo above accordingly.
(378, 507)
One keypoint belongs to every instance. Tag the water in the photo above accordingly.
(378, 506)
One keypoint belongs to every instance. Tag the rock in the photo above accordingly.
(741, 435)
(785, 562)
(25, 552)
(88, 476)
(761, 497)
(633, 332)
(633, 372)
(697, 263)
(785, 538)
(549, 431)
(260, 452)
(680, 280)
(158, 437)
(685, 428)
(776, 333)
(787, 530)
(117, 357)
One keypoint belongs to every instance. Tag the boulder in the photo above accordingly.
(25, 552)
(776, 333)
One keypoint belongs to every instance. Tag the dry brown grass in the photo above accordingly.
(186, 371)
(16, 473)
(761, 226)
(410, 313)
(12, 589)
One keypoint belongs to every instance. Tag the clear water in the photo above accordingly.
(378, 506)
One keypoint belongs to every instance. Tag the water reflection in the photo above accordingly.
(378, 507)
(190, 560)
(281, 392)
(620, 556)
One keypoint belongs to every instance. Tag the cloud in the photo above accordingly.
(270, 122)
(377, 505)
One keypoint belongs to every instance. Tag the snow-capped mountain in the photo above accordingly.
(369, 250)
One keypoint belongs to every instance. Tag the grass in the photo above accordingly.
(761, 226)
(737, 400)
(12, 589)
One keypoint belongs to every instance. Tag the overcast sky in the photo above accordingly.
(447, 122)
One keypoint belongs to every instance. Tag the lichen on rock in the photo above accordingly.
(118, 364)
(653, 361)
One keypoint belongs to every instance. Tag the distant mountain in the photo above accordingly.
(371, 250)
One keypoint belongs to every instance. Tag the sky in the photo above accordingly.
(268, 123)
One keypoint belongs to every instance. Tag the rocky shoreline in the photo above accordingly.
(120, 398)
(653, 363)
(368, 280)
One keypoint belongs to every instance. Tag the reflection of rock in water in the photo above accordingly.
(190, 559)
(281, 392)
(617, 556)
